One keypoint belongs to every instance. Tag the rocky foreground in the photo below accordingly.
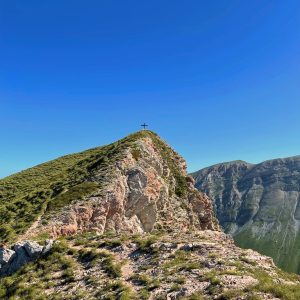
(197, 265)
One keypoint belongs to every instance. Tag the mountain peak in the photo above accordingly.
(136, 184)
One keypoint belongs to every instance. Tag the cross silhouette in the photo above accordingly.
(144, 125)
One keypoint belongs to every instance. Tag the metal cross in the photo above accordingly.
(144, 125)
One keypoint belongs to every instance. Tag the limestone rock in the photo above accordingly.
(22, 253)
(47, 247)
(5, 256)
(147, 188)
(33, 249)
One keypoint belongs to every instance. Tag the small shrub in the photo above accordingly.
(195, 296)
(179, 280)
(117, 290)
(88, 255)
(110, 244)
(144, 294)
(136, 153)
(68, 275)
(190, 266)
(150, 284)
(113, 269)
(144, 245)
(213, 255)
(231, 294)
(248, 261)
(175, 287)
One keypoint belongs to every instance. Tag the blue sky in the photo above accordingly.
(219, 80)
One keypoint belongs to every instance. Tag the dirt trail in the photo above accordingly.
(30, 230)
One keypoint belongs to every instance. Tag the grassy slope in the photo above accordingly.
(26, 195)
(274, 233)
(282, 246)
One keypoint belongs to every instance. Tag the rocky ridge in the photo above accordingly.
(192, 265)
(139, 192)
(134, 185)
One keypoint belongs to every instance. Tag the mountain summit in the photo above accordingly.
(134, 185)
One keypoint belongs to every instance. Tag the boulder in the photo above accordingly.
(22, 253)
(33, 249)
(48, 246)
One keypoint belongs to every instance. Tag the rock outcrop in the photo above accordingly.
(146, 188)
(21, 253)
(259, 205)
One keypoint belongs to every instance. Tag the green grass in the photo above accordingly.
(167, 153)
(175, 287)
(58, 269)
(145, 243)
(248, 261)
(103, 259)
(282, 291)
(180, 261)
(231, 294)
(76, 193)
(117, 290)
(111, 244)
(144, 280)
(63, 267)
(288, 258)
(195, 296)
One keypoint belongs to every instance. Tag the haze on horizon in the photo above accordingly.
(219, 81)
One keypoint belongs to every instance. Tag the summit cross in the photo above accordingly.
(144, 126)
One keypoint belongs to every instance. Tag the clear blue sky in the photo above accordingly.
(219, 80)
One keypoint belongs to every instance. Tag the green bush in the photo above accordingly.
(145, 243)
(103, 259)
(110, 243)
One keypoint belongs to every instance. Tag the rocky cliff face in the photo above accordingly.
(259, 205)
(146, 188)
(134, 185)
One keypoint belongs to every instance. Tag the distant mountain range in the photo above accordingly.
(259, 204)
